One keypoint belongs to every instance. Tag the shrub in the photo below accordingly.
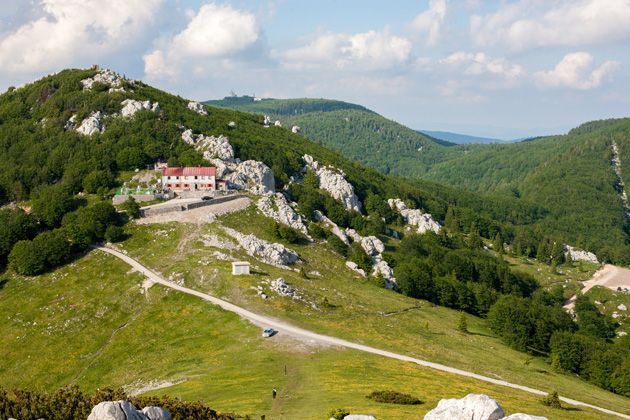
(393, 397)
(114, 233)
(26, 259)
(552, 400)
(337, 245)
(462, 324)
(316, 231)
(131, 207)
(289, 234)
(338, 413)
(97, 180)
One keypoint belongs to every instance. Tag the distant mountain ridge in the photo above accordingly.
(458, 138)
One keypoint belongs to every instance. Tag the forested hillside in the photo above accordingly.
(569, 177)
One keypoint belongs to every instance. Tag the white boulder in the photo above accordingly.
(580, 255)
(383, 269)
(333, 180)
(281, 288)
(354, 235)
(359, 417)
(115, 410)
(71, 123)
(373, 246)
(131, 106)
(156, 413)
(277, 208)
(521, 416)
(104, 76)
(339, 233)
(92, 124)
(415, 217)
(354, 267)
(277, 123)
(295, 129)
(252, 176)
(622, 307)
(271, 253)
(197, 107)
(266, 120)
(471, 407)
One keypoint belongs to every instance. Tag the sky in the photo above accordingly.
(504, 69)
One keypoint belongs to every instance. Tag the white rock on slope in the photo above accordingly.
(373, 247)
(295, 129)
(197, 107)
(156, 413)
(131, 106)
(92, 124)
(280, 287)
(414, 217)
(105, 76)
(622, 307)
(354, 267)
(115, 410)
(71, 123)
(333, 180)
(271, 253)
(277, 208)
(521, 416)
(253, 176)
(471, 407)
(318, 216)
(580, 255)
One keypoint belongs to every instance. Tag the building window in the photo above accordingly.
(168, 177)
(195, 176)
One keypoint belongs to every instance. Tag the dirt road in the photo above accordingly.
(284, 328)
(609, 276)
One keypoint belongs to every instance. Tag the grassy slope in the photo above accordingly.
(363, 312)
(92, 326)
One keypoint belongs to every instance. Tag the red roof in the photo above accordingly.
(188, 171)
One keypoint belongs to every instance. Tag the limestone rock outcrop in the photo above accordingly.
(414, 217)
(277, 208)
(580, 255)
(253, 176)
(333, 180)
(359, 417)
(354, 267)
(92, 124)
(197, 107)
(521, 416)
(280, 287)
(339, 233)
(472, 406)
(131, 106)
(271, 253)
(211, 146)
(124, 410)
(295, 129)
(104, 76)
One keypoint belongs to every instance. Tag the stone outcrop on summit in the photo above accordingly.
(333, 180)
(106, 77)
(91, 125)
(131, 106)
(414, 217)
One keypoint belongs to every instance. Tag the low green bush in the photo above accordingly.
(393, 397)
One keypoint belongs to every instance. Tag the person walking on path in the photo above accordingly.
(274, 393)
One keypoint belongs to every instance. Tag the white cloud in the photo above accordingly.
(527, 24)
(74, 32)
(576, 71)
(480, 63)
(373, 50)
(430, 21)
(213, 33)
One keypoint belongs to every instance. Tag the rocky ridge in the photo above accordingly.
(107, 77)
(580, 255)
(414, 217)
(131, 106)
(333, 180)
(279, 209)
(90, 125)
(271, 253)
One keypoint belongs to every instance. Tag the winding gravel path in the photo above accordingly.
(301, 333)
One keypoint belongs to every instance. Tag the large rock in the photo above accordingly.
(116, 410)
(156, 413)
(336, 230)
(359, 417)
(197, 107)
(580, 255)
(383, 269)
(212, 147)
(354, 267)
(253, 176)
(521, 416)
(277, 208)
(373, 247)
(333, 180)
(104, 76)
(415, 217)
(92, 124)
(271, 253)
(131, 106)
(471, 407)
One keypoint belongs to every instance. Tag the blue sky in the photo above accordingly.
(503, 69)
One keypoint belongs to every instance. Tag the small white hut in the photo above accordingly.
(240, 268)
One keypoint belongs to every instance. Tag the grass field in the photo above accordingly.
(89, 324)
